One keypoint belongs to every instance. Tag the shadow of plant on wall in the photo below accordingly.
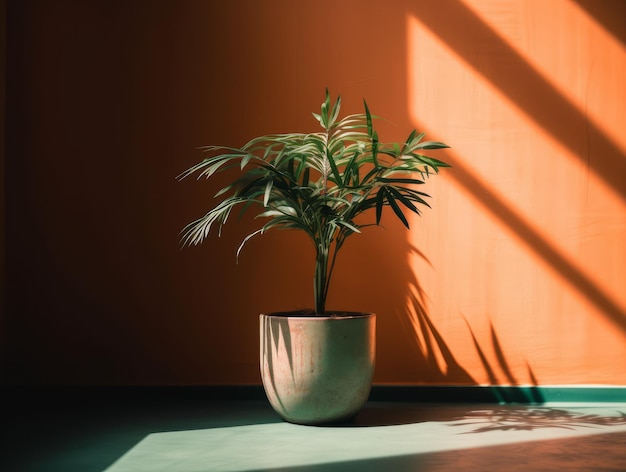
(439, 365)
(505, 394)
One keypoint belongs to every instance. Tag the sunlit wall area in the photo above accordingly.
(526, 269)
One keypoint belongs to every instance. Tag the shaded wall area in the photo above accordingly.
(2, 161)
(517, 265)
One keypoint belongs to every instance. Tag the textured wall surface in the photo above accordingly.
(516, 276)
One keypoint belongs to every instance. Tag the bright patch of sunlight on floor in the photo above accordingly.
(283, 445)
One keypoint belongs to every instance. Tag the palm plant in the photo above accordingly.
(318, 183)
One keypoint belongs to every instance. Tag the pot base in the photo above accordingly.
(317, 369)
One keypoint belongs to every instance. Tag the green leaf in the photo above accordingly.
(318, 182)
(404, 200)
(434, 163)
(400, 180)
(245, 240)
(396, 150)
(414, 139)
(431, 145)
(324, 111)
(375, 171)
(411, 137)
(305, 178)
(270, 214)
(287, 210)
(380, 202)
(375, 147)
(368, 117)
(349, 226)
(268, 192)
(245, 160)
(396, 209)
(335, 170)
(335, 112)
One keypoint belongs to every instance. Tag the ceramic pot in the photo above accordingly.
(317, 369)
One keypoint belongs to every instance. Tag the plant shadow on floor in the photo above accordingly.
(520, 418)
(487, 418)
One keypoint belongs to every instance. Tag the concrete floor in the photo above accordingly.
(197, 435)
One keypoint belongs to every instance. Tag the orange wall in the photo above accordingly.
(516, 276)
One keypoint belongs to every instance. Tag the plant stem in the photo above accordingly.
(324, 266)
(321, 278)
(331, 267)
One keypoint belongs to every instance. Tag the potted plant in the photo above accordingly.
(317, 365)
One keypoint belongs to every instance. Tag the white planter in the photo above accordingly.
(317, 369)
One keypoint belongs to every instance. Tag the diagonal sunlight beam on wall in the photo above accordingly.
(523, 230)
(548, 107)
(538, 245)
(551, 42)
(533, 206)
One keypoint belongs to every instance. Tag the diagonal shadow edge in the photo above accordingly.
(539, 100)
(603, 12)
(525, 233)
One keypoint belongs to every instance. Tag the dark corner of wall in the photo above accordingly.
(3, 69)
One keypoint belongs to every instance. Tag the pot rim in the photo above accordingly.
(309, 315)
